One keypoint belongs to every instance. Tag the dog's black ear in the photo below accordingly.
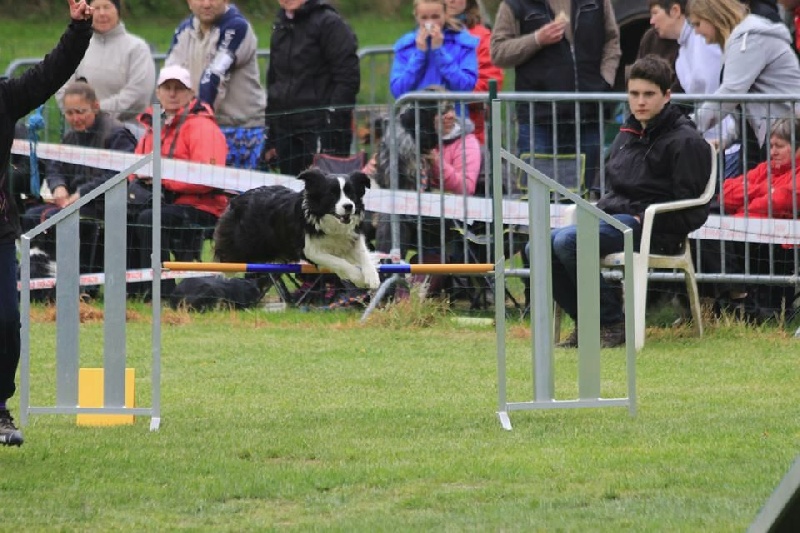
(312, 177)
(360, 179)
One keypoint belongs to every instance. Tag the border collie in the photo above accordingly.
(321, 224)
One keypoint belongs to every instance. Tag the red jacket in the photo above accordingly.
(197, 139)
(486, 71)
(758, 195)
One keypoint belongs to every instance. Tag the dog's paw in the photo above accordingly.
(371, 278)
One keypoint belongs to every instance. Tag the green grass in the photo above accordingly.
(312, 421)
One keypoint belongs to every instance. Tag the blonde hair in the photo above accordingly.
(724, 15)
(449, 21)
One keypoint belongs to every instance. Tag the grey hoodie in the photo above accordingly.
(758, 59)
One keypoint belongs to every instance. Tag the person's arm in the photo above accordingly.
(340, 48)
(140, 83)
(24, 94)
(122, 140)
(611, 50)
(691, 167)
(733, 192)
(459, 69)
(235, 38)
(509, 48)
(742, 66)
(408, 66)
(486, 69)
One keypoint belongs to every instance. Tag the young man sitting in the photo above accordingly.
(658, 156)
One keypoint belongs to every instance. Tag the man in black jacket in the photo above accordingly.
(658, 156)
(18, 97)
(312, 83)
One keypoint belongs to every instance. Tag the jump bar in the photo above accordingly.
(299, 268)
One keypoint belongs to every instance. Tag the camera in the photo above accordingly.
(429, 26)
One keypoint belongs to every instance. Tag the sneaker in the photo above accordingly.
(9, 434)
(613, 335)
(570, 342)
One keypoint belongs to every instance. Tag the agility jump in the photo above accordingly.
(302, 268)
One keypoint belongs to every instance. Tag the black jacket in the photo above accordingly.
(668, 160)
(107, 133)
(19, 96)
(562, 67)
(313, 64)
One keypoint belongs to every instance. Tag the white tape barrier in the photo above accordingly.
(131, 276)
(515, 212)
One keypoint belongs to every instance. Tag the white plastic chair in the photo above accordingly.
(644, 260)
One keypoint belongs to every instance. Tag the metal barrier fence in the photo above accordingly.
(67, 364)
(543, 366)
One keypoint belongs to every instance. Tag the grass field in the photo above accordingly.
(314, 422)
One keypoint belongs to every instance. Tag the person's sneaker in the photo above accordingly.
(9, 434)
(613, 335)
(571, 341)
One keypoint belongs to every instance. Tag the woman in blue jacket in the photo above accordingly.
(438, 52)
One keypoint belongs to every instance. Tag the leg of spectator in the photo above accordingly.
(612, 241)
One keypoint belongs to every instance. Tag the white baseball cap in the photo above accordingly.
(175, 72)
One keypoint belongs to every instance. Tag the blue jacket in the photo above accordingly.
(454, 65)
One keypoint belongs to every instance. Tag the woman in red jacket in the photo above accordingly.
(468, 12)
(771, 187)
(189, 131)
(770, 190)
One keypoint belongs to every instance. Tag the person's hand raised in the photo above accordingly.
(437, 37)
(551, 33)
(80, 10)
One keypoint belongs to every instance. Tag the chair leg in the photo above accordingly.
(640, 268)
(694, 298)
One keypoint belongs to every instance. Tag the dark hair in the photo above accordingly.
(654, 69)
(667, 4)
(81, 88)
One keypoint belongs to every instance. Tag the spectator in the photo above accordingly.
(658, 156)
(437, 52)
(551, 52)
(652, 43)
(449, 157)
(118, 65)
(758, 58)
(217, 45)
(189, 132)
(89, 127)
(454, 166)
(313, 79)
(18, 97)
(770, 190)
(469, 13)
(697, 64)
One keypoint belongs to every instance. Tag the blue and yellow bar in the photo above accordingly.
(302, 268)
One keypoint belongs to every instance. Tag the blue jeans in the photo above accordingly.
(9, 320)
(565, 144)
(564, 242)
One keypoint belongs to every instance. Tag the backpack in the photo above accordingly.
(209, 293)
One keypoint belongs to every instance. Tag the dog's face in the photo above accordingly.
(334, 200)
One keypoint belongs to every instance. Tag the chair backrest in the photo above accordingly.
(566, 169)
(339, 166)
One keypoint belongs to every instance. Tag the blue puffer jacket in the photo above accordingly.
(454, 65)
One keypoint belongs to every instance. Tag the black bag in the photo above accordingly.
(203, 294)
(140, 194)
